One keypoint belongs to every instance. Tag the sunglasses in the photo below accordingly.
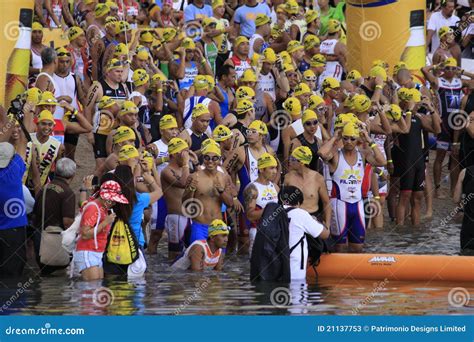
(63, 54)
(311, 123)
(451, 68)
(321, 109)
(213, 158)
(311, 79)
(349, 138)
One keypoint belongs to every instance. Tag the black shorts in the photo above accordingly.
(99, 146)
(412, 177)
(71, 139)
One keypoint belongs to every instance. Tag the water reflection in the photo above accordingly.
(231, 293)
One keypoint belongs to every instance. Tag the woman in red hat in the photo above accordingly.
(97, 217)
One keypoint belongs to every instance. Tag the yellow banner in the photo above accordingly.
(391, 30)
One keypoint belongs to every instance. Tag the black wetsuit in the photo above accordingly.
(314, 165)
(412, 162)
(467, 228)
(466, 152)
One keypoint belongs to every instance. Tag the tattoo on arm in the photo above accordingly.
(250, 194)
(92, 94)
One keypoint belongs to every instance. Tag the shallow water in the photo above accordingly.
(230, 292)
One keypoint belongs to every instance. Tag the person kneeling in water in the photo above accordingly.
(206, 254)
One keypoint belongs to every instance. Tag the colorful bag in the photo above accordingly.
(122, 245)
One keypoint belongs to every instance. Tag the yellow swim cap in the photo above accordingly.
(123, 133)
(169, 33)
(266, 160)
(114, 63)
(45, 115)
(148, 158)
(378, 71)
(239, 40)
(146, 37)
(293, 46)
(74, 32)
(399, 66)
(121, 27)
(127, 152)
(303, 154)
(292, 7)
(244, 92)
(309, 114)
(261, 19)
(269, 56)
(353, 75)
(243, 106)
(32, 95)
(140, 77)
(302, 89)
(217, 227)
(444, 30)
(199, 110)
(200, 82)
(36, 26)
(311, 16)
(121, 50)
(248, 76)
(394, 113)
(188, 43)
(221, 133)
(106, 102)
(285, 57)
(128, 107)
(48, 99)
(350, 130)
(361, 103)
(109, 21)
(450, 62)
(330, 83)
(314, 101)
(317, 60)
(293, 106)
(259, 126)
(101, 10)
(168, 121)
(217, 3)
(309, 75)
(176, 145)
(212, 147)
(311, 41)
(334, 26)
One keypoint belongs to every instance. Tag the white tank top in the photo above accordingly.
(253, 166)
(66, 86)
(210, 259)
(347, 179)
(252, 40)
(328, 46)
(36, 61)
(299, 129)
(55, 86)
(266, 194)
(266, 83)
(189, 104)
(162, 152)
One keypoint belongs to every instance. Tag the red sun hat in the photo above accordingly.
(111, 191)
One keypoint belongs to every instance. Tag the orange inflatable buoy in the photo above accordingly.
(395, 267)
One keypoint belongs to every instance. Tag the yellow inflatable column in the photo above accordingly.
(391, 30)
(15, 40)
